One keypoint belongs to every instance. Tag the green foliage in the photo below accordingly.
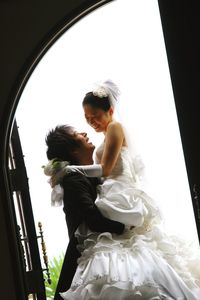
(55, 266)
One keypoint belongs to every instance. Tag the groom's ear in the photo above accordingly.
(74, 153)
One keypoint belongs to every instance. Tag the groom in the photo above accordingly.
(64, 143)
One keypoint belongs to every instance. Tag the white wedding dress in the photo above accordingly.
(143, 263)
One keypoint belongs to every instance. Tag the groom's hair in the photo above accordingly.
(60, 143)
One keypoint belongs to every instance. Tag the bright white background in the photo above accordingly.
(123, 41)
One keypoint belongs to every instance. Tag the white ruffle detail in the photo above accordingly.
(139, 166)
(120, 197)
(117, 291)
(113, 265)
(57, 195)
(144, 263)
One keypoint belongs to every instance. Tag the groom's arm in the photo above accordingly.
(79, 199)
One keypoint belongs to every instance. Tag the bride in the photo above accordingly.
(144, 262)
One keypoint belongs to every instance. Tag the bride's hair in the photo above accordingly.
(97, 102)
(103, 96)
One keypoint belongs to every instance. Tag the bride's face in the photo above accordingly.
(98, 118)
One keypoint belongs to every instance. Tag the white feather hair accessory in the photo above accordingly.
(107, 89)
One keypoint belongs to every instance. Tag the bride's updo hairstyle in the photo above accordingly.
(97, 102)
(103, 96)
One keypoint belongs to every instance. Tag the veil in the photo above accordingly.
(111, 90)
(107, 89)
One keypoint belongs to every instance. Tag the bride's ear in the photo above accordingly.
(111, 111)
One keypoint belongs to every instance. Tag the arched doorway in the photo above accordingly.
(93, 50)
(34, 28)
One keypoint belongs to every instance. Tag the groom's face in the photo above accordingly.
(85, 146)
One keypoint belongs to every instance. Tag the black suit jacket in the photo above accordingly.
(79, 196)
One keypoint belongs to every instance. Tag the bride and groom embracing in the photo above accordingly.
(117, 247)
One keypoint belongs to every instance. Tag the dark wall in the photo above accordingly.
(181, 27)
(25, 29)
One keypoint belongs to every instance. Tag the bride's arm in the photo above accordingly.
(114, 140)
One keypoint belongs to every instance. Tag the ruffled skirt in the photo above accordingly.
(147, 266)
(143, 263)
